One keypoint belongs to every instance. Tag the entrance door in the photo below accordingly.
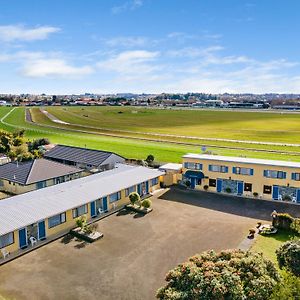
(139, 189)
(23, 238)
(93, 209)
(104, 202)
(219, 185)
(42, 230)
(193, 183)
(275, 193)
(298, 196)
(240, 187)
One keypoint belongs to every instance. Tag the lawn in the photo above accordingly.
(269, 244)
(126, 145)
(257, 126)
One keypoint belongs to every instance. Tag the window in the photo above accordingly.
(267, 189)
(59, 180)
(130, 190)
(242, 171)
(218, 168)
(6, 239)
(41, 184)
(154, 181)
(296, 176)
(212, 182)
(56, 220)
(79, 211)
(248, 187)
(191, 165)
(115, 197)
(274, 174)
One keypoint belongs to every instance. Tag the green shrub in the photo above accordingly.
(228, 190)
(81, 222)
(255, 194)
(288, 256)
(283, 221)
(146, 203)
(288, 288)
(188, 183)
(230, 274)
(206, 187)
(134, 198)
(295, 226)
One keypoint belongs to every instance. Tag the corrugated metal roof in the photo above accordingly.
(22, 210)
(277, 163)
(78, 155)
(35, 171)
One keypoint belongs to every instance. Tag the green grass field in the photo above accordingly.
(206, 124)
(269, 244)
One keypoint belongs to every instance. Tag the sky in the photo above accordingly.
(149, 46)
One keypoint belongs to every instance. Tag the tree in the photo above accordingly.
(288, 288)
(288, 256)
(150, 159)
(230, 274)
(134, 198)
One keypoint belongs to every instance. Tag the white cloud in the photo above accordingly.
(130, 62)
(129, 5)
(11, 33)
(53, 67)
(126, 41)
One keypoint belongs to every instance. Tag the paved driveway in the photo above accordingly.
(130, 262)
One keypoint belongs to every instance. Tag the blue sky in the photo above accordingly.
(151, 46)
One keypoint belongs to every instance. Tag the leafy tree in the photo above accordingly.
(288, 256)
(150, 159)
(36, 144)
(134, 198)
(287, 289)
(230, 274)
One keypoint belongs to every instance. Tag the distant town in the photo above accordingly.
(192, 100)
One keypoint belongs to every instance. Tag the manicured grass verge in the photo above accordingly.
(268, 244)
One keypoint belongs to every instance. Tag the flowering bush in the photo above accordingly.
(288, 256)
(230, 274)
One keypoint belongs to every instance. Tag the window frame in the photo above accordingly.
(60, 220)
(246, 185)
(118, 197)
(10, 243)
(268, 192)
(76, 215)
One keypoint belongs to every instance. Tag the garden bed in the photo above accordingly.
(88, 237)
(138, 209)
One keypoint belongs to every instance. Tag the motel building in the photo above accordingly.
(29, 218)
(247, 177)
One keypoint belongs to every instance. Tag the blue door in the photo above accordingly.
(93, 209)
(240, 187)
(22, 238)
(298, 196)
(147, 187)
(275, 194)
(193, 182)
(104, 202)
(42, 230)
(139, 189)
(219, 185)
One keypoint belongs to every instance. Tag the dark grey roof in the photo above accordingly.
(79, 155)
(34, 171)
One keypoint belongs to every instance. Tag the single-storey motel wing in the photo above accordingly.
(47, 212)
(249, 177)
